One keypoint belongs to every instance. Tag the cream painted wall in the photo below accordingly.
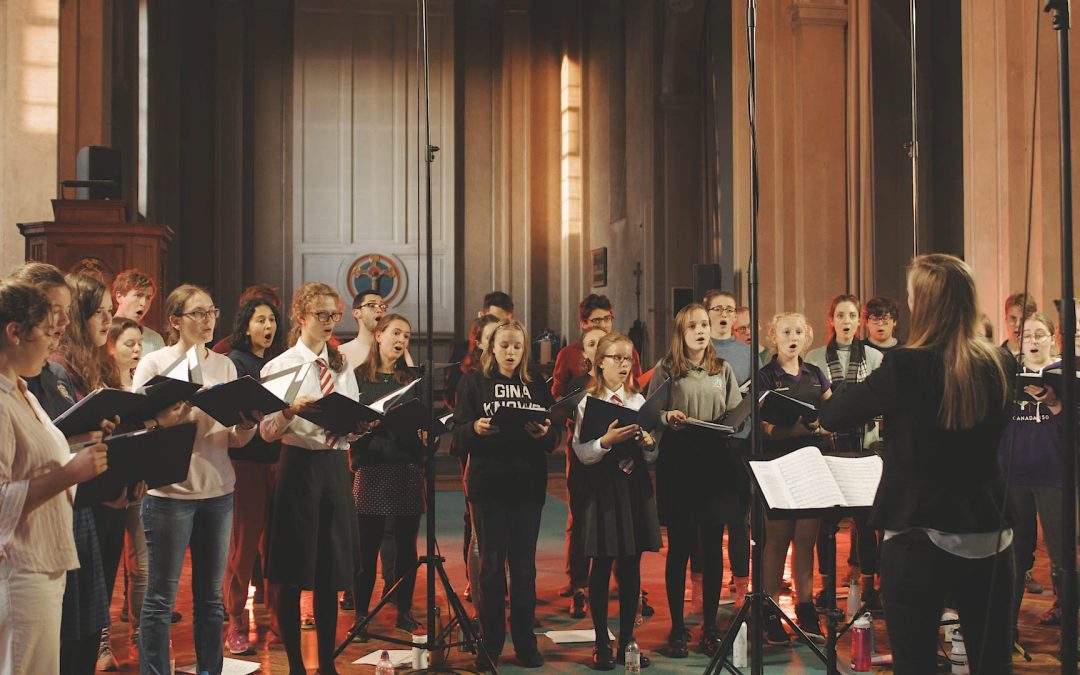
(29, 66)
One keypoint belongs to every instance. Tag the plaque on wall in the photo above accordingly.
(377, 272)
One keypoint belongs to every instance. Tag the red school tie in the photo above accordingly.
(326, 384)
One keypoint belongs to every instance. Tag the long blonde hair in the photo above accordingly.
(489, 367)
(676, 360)
(596, 384)
(772, 340)
(945, 315)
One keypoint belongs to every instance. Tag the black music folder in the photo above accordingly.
(782, 410)
(599, 414)
(102, 404)
(162, 392)
(225, 402)
(509, 418)
(340, 414)
(159, 457)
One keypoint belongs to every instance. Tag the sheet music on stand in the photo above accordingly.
(806, 480)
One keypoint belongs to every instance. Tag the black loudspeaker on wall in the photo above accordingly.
(706, 277)
(98, 163)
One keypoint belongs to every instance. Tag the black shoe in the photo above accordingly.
(774, 631)
(710, 640)
(531, 659)
(484, 664)
(647, 610)
(872, 599)
(177, 617)
(620, 658)
(566, 591)
(602, 658)
(346, 603)
(406, 622)
(577, 605)
(468, 593)
(819, 600)
(806, 617)
(362, 636)
(676, 644)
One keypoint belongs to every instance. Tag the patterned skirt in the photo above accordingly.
(86, 605)
(389, 490)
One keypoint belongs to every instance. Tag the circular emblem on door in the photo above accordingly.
(379, 273)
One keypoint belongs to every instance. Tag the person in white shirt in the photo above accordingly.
(37, 472)
(618, 509)
(314, 533)
(198, 511)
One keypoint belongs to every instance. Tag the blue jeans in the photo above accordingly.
(171, 526)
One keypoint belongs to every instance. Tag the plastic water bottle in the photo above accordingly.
(419, 653)
(950, 628)
(633, 657)
(738, 648)
(385, 666)
(861, 652)
(959, 655)
(854, 599)
(172, 659)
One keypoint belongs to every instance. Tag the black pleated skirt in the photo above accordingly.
(617, 512)
(313, 527)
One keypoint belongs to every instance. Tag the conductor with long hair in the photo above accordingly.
(940, 500)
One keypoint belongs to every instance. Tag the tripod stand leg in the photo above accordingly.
(720, 657)
(358, 628)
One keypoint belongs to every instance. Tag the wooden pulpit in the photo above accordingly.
(94, 236)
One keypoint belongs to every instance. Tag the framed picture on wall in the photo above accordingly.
(599, 267)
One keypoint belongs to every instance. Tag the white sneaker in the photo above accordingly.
(106, 661)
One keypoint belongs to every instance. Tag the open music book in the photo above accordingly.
(806, 479)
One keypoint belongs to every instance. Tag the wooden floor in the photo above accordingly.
(553, 615)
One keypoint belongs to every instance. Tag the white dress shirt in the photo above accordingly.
(298, 431)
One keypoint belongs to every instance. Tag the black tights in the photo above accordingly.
(371, 530)
(682, 539)
(628, 575)
(325, 627)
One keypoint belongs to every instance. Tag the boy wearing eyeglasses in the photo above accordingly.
(879, 318)
(367, 308)
(595, 311)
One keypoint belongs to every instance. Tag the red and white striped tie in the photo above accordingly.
(326, 376)
(326, 384)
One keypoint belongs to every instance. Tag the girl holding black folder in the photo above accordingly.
(313, 534)
(389, 479)
(695, 472)
(257, 332)
(506, 485)
(616, 516)
(196, 513)
(1032, 455)
(787, 373)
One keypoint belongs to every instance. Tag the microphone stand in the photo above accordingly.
(1059, 12)
(433, 562)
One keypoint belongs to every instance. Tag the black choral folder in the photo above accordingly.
(162, 392)
(783, 410)
(86, 415)
(224, 402)
(508, 418)
(340, 414)
(159, 457)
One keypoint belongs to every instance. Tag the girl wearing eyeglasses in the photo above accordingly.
(616, 515)
(1031, 456)
(695, 474)
(313, 534)
(506, 482)
(198, 511)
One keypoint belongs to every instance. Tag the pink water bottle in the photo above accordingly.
(862, 636)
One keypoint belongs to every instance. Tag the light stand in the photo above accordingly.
(431, 560)
(1059, 10)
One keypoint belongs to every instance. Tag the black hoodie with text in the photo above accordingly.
(510, 465)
